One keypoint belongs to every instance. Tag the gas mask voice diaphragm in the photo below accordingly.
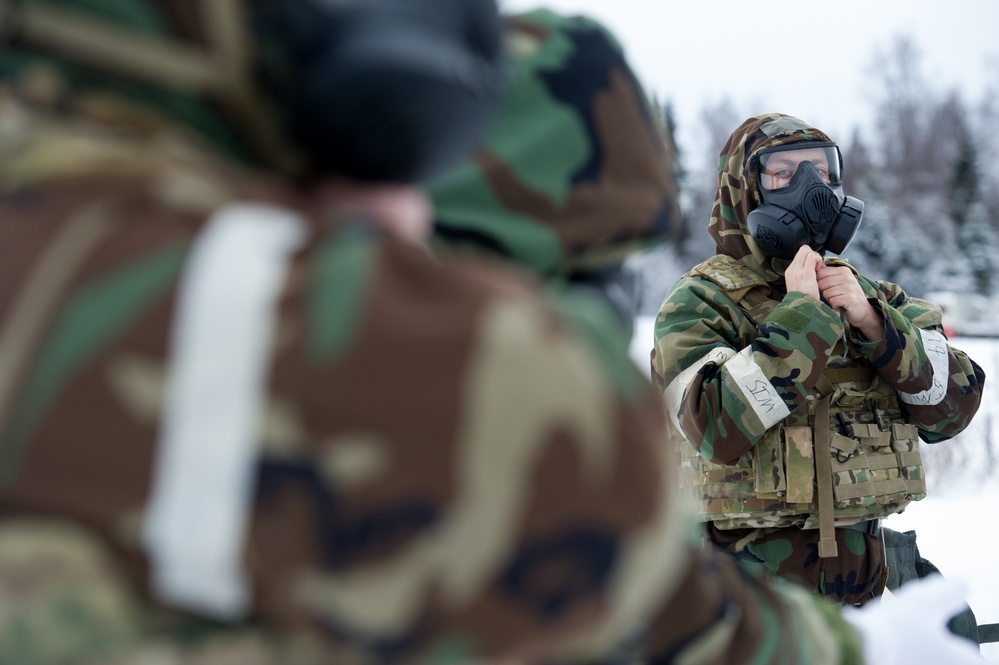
(803, 201)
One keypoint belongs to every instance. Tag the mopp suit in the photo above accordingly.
(795, 429)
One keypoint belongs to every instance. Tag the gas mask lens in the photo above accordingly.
(779, 165)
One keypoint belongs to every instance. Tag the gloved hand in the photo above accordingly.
(911, 627)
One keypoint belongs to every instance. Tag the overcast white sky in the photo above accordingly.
(697, 52)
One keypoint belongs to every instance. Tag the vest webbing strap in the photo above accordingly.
(823, 476)
(880, 462)
(875, 488)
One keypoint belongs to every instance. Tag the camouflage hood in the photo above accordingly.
(151, 66)
(738, 193)
(573, 172)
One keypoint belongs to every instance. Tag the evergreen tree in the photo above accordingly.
(858, 164)
(947, 269)
(979, 249)
(964, 182)
(975, 233)
(871, 251)
(656, 269)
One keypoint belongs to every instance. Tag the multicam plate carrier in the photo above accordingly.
(850, 457)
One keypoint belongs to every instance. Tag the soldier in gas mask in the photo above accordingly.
(801, 391)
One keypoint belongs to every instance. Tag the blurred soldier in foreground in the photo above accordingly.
(245, 419)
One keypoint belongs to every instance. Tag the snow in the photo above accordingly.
(959, 535)
(957, 525)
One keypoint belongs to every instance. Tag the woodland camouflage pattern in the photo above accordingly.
(794, 340)
(578, 182)
(451, 467)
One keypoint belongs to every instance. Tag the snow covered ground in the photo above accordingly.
(957, 525)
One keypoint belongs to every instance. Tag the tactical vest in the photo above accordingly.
(850, 456)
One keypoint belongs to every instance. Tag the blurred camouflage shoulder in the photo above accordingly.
(574, 172)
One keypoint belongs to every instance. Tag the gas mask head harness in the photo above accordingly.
(801, 185)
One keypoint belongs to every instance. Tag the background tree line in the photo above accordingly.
(925, 166)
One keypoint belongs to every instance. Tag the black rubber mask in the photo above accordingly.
(809, 208)
(386, 90)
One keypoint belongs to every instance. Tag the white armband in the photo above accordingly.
(747, 376)
(759, 393)
(937, 351)
(674, 391)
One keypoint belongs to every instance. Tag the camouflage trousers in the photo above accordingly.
(854, 577)
(905, 564)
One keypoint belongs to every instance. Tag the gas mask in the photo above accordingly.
(390, 90)
(803, 203)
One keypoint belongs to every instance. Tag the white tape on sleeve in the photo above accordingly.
(938, 353)
(218, 364)
(676, 388)
(756, 389)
